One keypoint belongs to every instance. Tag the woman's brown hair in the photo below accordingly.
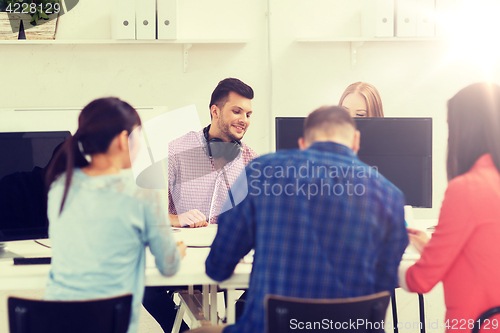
(371, 96)
(98, 124)
(474, 127)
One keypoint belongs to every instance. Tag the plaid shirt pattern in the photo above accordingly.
(311, 246)
(194, 183)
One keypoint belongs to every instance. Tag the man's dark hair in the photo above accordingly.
(221, 92)
(326, 119)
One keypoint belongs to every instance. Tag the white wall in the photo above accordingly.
(415, 79)
(289, 78)
(144, 74)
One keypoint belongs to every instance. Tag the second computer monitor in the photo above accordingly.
(400, 148)
(23, 194)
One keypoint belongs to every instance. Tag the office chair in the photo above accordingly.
(359, 314)
(110, 315)
(395, 312)
(488, 326)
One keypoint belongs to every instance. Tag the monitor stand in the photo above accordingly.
(5, 253)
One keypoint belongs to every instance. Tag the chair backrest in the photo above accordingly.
(357, 314)
(484, 321)
(110, 315)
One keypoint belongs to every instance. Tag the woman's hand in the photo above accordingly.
(182, 249)
(418, 238)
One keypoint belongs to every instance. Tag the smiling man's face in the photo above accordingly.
(234, 118)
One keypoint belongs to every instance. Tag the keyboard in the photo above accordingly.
(32, 261)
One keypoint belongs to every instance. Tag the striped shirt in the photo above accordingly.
(323, 225)
(194, 182)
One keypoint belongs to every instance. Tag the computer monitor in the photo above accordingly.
(23, 200)
(400, 148)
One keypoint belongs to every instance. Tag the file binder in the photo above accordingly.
(406, 22)
(377, 18)
(384, 18)
(167, 19)
(123, 19)
(425, 18)
(145, 19)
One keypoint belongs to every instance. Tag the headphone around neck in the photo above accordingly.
(216, 148)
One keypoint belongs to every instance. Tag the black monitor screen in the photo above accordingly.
(24, 157)
(401, 149)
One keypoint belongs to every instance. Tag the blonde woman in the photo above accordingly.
(362, 100)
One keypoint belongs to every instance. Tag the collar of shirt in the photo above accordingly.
(203, 141)
(332, 147)
(483, 161)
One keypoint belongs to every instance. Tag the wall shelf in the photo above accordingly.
(186, 43)
(357, 42)
(370, 39)
(124, 41)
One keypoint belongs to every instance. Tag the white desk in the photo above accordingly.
(191, 272)
(24, 276)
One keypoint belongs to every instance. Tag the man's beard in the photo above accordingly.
(225, 128)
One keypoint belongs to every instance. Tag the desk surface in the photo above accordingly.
(191, 272)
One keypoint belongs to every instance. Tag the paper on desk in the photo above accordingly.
(411, 253)
(196, 237)
(199, 237)
(409, 219)
(248, 259)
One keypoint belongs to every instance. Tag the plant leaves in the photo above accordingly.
(34, 19)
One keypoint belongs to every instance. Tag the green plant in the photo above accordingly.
(38, 9)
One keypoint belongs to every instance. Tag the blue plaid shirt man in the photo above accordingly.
(323, 225)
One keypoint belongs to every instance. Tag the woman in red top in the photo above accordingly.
(465, 248)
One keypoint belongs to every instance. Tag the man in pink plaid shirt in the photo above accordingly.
(203, 165)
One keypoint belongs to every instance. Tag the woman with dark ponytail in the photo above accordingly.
(100, 221)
